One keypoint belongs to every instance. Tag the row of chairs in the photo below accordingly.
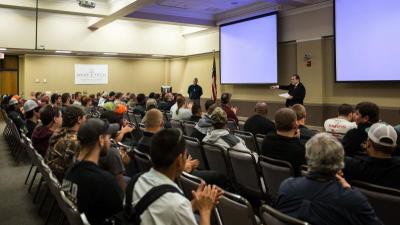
(19, 144)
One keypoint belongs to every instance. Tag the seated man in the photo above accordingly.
(322, 196)
(259, 123)
(168, 156)
(228, 108)
(220, 135)
(153, 122)
(64, 144)
(166, 103)
(379, 167)
(305, 132)
(343, 123)
(196, 113)
(205, 124)
(285, 143)
(14, 113)
(140, 107)
(51, 121)
(94, 190)
(367, 113)
(32, 116)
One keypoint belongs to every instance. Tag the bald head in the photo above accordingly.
(261, 108)
(153, 119)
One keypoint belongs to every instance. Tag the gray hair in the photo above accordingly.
(151, 103)
(324, 154)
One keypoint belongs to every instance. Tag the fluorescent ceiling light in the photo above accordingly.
(110, 53)
(3, 49)
(64, 52)
(158, 55)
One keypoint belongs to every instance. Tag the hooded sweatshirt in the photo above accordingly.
(40, 139)
(223, 138)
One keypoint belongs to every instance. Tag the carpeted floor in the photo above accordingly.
(16, 207)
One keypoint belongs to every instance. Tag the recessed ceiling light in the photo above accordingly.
(64, 52)
(110, 53)
(158, 55)
(3, 49)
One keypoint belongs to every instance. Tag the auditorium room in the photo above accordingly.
(199, 112)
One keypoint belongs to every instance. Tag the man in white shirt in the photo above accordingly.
(168, 156)
(343, 122)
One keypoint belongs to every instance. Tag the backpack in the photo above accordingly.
(131, 215)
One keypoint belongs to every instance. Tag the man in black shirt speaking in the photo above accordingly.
(296, 91)
(195, 92)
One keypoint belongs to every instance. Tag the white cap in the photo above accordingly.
(383, 134)
(30, 105)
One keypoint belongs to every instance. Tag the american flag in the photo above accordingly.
(214, 82)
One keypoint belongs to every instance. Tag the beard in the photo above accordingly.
(103, 151)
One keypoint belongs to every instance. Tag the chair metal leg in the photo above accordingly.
(29, 174)
(53, 204)
(33, 180)
(37, 190)
(47, 193)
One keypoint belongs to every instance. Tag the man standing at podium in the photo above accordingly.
(195, 92)
(296, 91)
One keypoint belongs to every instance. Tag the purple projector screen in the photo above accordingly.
(249, 51)
(367, 40)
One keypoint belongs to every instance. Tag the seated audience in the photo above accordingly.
(323, 196)
(51, 121)
(153, 122)
(111, 97)
(220, 135)
(166, 103)
(342, 123)
(95, 191)
(103, 99)
(77, 99)
(55, 100)
(87, 103)
(205, 124)
(64, 144)
(259, 123)
(151, 104)
(168, 156)
(301, 114)
(228, 108)
(132, 100)
(379, 167)
(183, 111)
(196, 113)
(285, 143)
(118, 98)
(65, 101)
(15, 114)
(367, 113)
(32, 116)
(140, 107)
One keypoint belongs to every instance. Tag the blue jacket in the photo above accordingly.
(320, 199)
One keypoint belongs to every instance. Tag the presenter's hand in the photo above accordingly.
(274, 86)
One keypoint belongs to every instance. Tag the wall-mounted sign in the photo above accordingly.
(91, 74)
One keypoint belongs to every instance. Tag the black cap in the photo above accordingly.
(90, 131)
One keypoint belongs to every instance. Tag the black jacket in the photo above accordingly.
(298, 92)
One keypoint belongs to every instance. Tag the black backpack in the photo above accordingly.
(131, 215)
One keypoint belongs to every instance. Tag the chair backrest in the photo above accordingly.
(176, 124)
(131, 117)
(70, 210)
(189, 126)
(234, 209)
(303, 170)
(248, 138)
(195, 149)
(216, 158)
(274, 172)
(271, 216)
(138, 119)
(338, 136)
(231, 125)
(143, 160)
(168, 115)
(246, 173)
(188, 183)
(385, 201)
(259, 140)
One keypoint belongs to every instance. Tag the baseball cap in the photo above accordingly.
(219, 116)
(383, 134)
(110, 106)
(121, 109)
(30, 105)
(13, 101)
(90, 131)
